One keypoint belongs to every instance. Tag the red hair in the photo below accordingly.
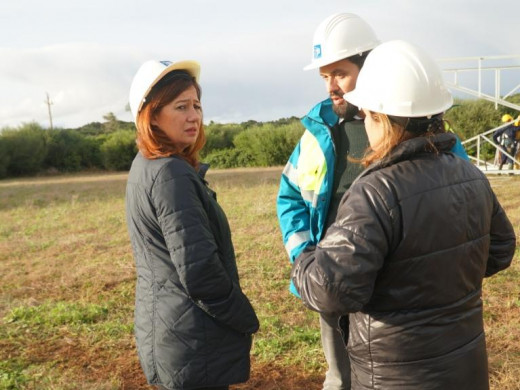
(395, 131)
(152, 142)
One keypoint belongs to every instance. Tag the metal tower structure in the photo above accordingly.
(473, 76)
(488, 70)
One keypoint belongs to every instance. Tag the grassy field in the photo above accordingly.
(67, 286)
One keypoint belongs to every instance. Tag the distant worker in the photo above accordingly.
(507, 138)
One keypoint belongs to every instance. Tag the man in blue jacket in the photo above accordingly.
(319, 171)
(321, 168)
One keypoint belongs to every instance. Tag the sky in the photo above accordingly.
(83, 54)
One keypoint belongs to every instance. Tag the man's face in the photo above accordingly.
(340, 77)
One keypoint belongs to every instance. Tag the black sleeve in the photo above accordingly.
(338, 276)
(503, 240)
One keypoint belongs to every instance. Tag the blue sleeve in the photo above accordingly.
(459, 150)
(293, 213)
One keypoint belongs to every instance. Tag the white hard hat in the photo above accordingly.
(340, 36)
(400, 79)
(150, 73)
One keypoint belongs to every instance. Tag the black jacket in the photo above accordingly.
(413, 239)
(193, 324)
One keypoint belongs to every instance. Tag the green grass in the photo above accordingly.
(67, 283)
(51, 314)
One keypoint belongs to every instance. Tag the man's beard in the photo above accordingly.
(345, 111)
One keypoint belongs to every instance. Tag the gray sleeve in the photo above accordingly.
(195, 255)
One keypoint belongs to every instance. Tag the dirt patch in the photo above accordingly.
(273, 377)
(263, 377)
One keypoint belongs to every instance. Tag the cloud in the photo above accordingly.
(85, 55)
(82, 80)
(244, 76)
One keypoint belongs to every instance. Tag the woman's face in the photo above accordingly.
(181, 118)
(375, 129)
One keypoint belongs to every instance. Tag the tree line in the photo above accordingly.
(31, 149)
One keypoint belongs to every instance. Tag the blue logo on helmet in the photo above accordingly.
(317, 51)
(166, 63)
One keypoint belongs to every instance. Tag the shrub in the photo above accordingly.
(26, 148)
(471, 117)
(118, 150)
(67, 150)
(219, 137)
(269, 145)
(91, 152)
(4, 158)
(228, 158)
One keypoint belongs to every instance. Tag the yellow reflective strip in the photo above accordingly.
(311, 164)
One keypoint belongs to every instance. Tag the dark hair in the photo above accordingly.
(359, 59)
(152, 142)
(418, 126)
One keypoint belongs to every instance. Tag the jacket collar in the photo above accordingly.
(322, 114)
(404, 151)
(203, 168)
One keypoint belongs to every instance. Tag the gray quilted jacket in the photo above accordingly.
(413, 239)
(193, 324)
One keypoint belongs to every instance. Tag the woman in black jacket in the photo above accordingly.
(413, 238)
(193, 324)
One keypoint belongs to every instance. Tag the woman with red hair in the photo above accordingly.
(193, 323)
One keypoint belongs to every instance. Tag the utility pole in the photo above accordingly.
(49, 103)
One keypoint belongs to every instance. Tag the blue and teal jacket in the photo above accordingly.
(307, 181)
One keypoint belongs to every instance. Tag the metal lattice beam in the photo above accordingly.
(478, 66)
